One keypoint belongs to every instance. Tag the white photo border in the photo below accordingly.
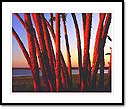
(77, 7)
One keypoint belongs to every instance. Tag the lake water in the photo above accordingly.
(27, 72)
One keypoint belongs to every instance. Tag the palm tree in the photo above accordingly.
(68, 50)
(32, 51)
(87, 20)
(80, 70)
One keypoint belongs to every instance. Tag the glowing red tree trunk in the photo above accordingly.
(64, 76)
(68, 50)
(51, 19)
(42, 67)
(57, 69)
(32, 51)
(51, 29)
(87, 20)
(40, 56)
(48, 43)
(80, 70)
(95, 63)
(39, 29)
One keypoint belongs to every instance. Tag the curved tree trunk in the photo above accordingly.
(63, 64)
(65, 72)
(42, 67)
(68, 51)
(80, 70)
(87, 20)
(40, 56)
(49, 46)
(95, 63)
(24, 51)
(32, 51)
(57, 69)
(51, 19)
(101, 49)
(51, 29)
(20, 19)
(39, 29)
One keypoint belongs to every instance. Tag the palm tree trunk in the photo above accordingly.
(32, 51)
(39, 29)
(68, 51)
(87, 20)
(95, 64)
(80, 70)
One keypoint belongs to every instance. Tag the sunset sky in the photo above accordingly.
(18, 59)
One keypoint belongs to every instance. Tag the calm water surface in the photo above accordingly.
(27, 72)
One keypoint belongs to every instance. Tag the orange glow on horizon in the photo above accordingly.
(20, 62)
(74, 57)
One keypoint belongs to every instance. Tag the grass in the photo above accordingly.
(24, 84)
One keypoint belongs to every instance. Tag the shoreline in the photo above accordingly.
(73, 68)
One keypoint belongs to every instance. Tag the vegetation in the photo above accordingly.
(56, 75)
